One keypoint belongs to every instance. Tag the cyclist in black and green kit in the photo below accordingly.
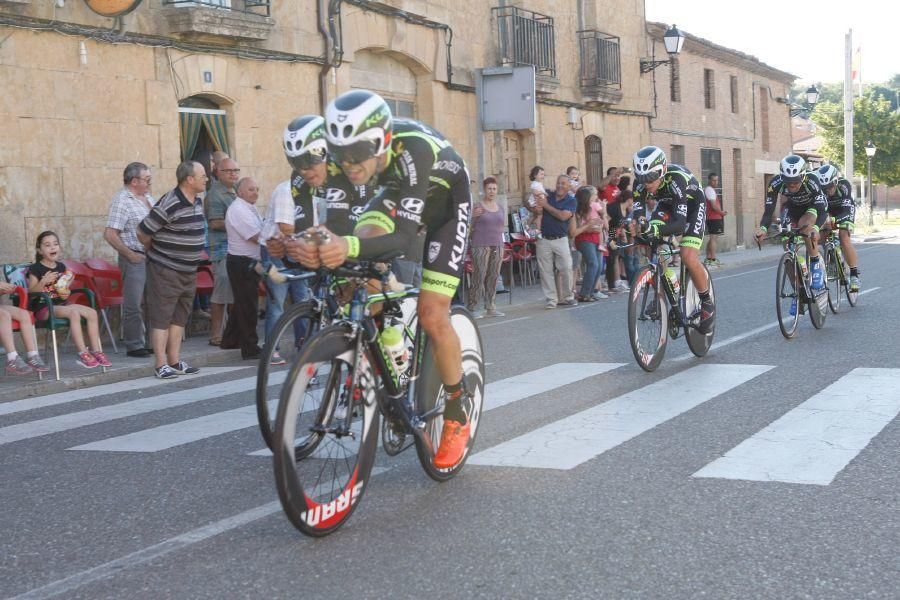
(680, 210)
(841, 207)
(424, 185)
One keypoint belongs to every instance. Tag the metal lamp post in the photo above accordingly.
(870, 154)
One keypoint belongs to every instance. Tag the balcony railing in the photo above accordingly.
(259, 7)
(526, 38)
(600, 63)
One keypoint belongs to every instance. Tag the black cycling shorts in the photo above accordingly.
(844, 215)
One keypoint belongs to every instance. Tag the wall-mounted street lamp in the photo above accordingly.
(673, 40)
(812, 95)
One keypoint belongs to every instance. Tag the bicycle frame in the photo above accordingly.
(661, 255)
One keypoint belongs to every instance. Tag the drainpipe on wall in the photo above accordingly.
(323, 15)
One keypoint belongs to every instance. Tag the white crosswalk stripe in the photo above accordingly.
(89, 393)
(812, 443)
(574, 440)
(41, 427)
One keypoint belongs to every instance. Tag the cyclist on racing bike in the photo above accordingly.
(838, 193)
(680, 210)
(425, 184)
(805, 206)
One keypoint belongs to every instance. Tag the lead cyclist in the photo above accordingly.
(424, 185)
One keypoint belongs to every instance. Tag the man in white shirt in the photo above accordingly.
(242, 226)
(715, 220)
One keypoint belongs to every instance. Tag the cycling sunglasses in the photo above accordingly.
(307, 160)
(354, 153)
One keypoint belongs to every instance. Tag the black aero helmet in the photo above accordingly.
(792, 168)
(358, 126)
(649, 164)
(304, 142)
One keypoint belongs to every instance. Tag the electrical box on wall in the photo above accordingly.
(572, 115)
(507, 97)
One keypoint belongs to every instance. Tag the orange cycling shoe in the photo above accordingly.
(454, 439)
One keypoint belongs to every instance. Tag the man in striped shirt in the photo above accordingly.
(174, 235)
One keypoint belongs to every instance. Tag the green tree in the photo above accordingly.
(873, 120)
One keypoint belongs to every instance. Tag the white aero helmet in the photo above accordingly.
(827, 175)
(649, 164)
(792, 168)
(304, 142)
(358, 126)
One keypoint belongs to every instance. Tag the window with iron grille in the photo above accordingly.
(526, 38)
(593, 159)
(676, 155)
(262, 7)
(674, 81)
(600, 63)
(734, 93)
(709, 88)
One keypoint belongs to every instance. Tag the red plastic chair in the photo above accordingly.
(84, 278)
(19, 296)
(110, 291)
(523, 256)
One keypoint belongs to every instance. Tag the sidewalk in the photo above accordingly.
(198, 352)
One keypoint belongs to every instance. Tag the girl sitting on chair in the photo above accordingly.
(51, 277)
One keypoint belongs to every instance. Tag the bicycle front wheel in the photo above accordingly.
(833, 271)
(696, 341)
(648, 319)
(294, 326)
(430, 394)
(787, 299)
(845, 281)
(328, 400)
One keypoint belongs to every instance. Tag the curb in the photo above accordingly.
(51, 386)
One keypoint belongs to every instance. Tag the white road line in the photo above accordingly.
(718, 278)
(812, 443)
(574, 440)
(503, 322)
(41, 427)
(173, 544)
(89, 393)
(532, 383)
(752, 332)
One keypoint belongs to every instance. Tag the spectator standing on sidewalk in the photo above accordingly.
(174, 235)
(243, 225)
(488, 221)
(589, 226)
(625, 204)
(128, 208)
(220, 196)
(553, 249)
(715, 220)
(536, 189)
(611, 194)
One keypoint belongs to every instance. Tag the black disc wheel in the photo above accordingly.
(430, 394)
(326, 432)
(648, 319)
(293, 327)
(699, 343)
(787, 298)
(834, 284)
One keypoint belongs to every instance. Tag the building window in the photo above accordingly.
(711, 162)
(764, 117)
(709, 88)
(389, 77)
(526, 38)
(599, 59)
(676, 155)
(674, 81)
(593, 155)
(403, 109)
(249, 6)
(734, 93)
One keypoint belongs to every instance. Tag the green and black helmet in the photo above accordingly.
(358, 126)
(649, 164)
(304, 142)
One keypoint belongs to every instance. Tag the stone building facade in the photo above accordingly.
(720, 110)
(85, 94)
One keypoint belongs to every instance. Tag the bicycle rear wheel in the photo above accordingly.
(648, 319)
(430, 393)
(845, 282)
(786, 286)
(818, 306)
(297, 323)
(320, 492)
(696, 341)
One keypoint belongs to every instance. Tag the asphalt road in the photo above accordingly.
(767, 469)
